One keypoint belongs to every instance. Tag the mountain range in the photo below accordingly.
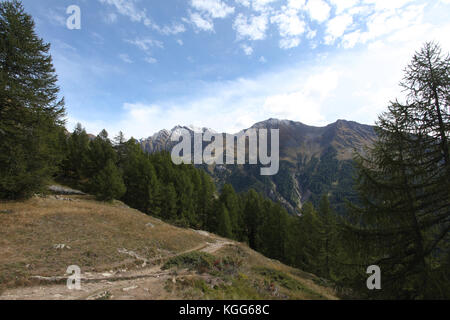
(313, 161)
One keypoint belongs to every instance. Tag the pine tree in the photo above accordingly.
(309, 239)
(327, 230)
(108, 183)
(100, 152)
(274, 231)
(206, 197)
(253, 218)
(229, 198)
(76, 161)
(404, 217)
(119, 146)
(143, 189)
(31, 112)
(224, 228)
(169, 204)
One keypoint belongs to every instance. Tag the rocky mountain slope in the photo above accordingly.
(313, 161)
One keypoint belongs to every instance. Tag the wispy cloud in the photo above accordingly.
(252, 28)
(214, 8)
(130, 9)
(146, 44)
(200, 22)
(125, 58)
(247, 49)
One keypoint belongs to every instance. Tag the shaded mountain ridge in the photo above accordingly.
(313, 161)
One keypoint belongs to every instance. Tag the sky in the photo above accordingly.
(139, 66)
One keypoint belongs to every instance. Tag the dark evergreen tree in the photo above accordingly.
(229, 198)
(404, 187)
(100, 152)
(31, 112)
(224, 228)
(76, 160)
(169, 203)
(253, 218)
(143, 190)
(327, 235)
(309, 239)
(274, 231)
(108, 183)
(206, 198)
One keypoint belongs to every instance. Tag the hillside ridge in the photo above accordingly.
(123, 255)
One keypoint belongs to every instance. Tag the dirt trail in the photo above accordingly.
(146, 283)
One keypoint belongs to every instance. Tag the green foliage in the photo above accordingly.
(77, 149)
(108, 183)
(31, 124)
(280, 277)
(203, 262)
(402, 224)
(224, 228)
(199, 261)
(230, 200)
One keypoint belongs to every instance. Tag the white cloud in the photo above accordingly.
(311, 34)
(125, 58)
(262, 5)
(355, 84)
(342, 5)
(150, 60)
(146, 44)
(253, 27)
(56, 16)
(318, 10)
(289, 43)
(200, 23)
(215, 8)
(110, 18)
(387, 4)
(296, 4)
(351, 39)
(246, 3)
(128, 8)
(336, 27)
(289, 23)
(385, 22)
(247, 49)
(174, 28)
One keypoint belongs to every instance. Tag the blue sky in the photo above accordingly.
(144, 65)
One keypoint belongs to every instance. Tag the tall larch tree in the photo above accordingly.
(404, 186)
(31, 111)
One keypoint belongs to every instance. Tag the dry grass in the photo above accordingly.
(255, 261)
(94, 232)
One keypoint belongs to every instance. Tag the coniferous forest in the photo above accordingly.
(400, 221)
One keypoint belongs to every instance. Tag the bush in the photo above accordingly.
(200, 261)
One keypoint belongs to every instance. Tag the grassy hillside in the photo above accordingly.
(124, 254)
